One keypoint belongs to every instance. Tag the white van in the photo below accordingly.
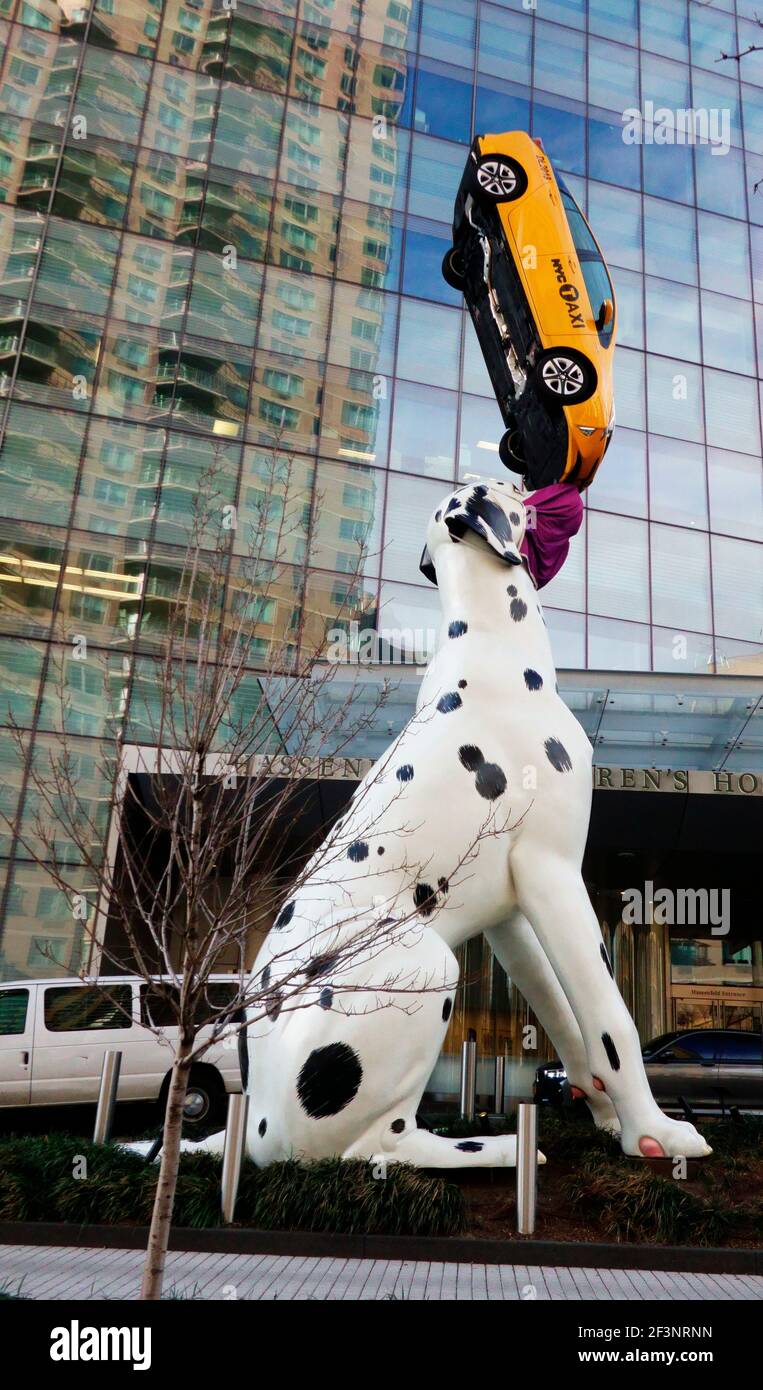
(54, 1033)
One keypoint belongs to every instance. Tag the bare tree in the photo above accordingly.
(200, 819)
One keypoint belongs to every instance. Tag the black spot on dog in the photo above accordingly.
(266, 977)
(320, 965)
(533, 680)
(405, 773)
(490, 781)
(358, 851)
(512, 591)
(397, 1126)
(607, 961)
(438, 515)
(457, 628)
(557, 755)
(443, 885)
(447, 1010)
(470, 1146)
(518, 609)
(462, 685)
(425, 899)
(490, 778)
(284, 917)
(261, 1128)
(514, 518)
(450, 702)
(326, 997)
(380, 850)
(611, 1051)
(453, 505)
(470, 756)
(274, 1005)
(481, 508)
(329, 1080)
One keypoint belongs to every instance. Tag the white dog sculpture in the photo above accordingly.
(474, 821)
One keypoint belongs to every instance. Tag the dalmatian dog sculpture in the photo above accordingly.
(475, 820)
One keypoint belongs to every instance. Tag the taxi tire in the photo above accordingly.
(566, 367)
(506, 453)
(497, 178)
(451, 273)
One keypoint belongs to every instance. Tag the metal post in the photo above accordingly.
(500, 1081)
(468, 1079)
(107, 1094)
(527, 1166)
(233, 1153)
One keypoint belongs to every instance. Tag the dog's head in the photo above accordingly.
(493, 511)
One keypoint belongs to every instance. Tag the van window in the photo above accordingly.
(159, 1010)
(13, 1010)
(71, 1009)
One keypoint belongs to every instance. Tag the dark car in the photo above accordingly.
(711, 1069)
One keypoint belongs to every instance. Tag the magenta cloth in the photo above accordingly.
(554, 515)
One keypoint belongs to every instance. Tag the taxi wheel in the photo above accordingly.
(564, 376)
(497, 178)
(511, 451)
(453, 269)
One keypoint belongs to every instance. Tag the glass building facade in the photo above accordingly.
(221, 229)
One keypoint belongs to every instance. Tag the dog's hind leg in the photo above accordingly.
(519, 951)
(551, 892)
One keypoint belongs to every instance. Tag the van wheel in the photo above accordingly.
(497, 178)
(453, 269)
(564, 376)
(511, 451)
(204, 1106)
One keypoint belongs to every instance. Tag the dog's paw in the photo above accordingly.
(665, 1138)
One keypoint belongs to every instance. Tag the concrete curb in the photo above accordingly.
(235, 1240)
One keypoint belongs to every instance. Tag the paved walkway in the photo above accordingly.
(60, 1272)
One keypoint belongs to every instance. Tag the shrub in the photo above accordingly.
(38, 1183)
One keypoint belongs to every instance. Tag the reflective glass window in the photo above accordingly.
(672, 318)
(723, 255)
(447, 31)
(421, 327)
(560, 60)
(737, 605)
(609, 158)
(443, 103)
(612, 75)
(731, 407)
(680, 578)
(410, 503)
(675, 398)
(615, 216)
(665, 28)
(670, 241)
(621, 480)
(562, 130)
(677, 485)
(505, 45)
(617, 646)
(423, 430)
(728, 336)
(618, 577)
(736, 493)
(422, 274)
(500, 106)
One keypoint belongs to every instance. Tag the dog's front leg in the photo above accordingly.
(520, 953)
(551, 892)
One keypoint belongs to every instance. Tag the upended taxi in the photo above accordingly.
(541, 299)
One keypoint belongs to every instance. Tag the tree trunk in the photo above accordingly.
(164, 1200)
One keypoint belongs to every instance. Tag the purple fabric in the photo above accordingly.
(554, 515)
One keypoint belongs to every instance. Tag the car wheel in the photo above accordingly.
(497, 178)
(511, 451)
(564, 376)
(453, 269)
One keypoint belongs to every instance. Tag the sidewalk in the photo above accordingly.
(59, 1272)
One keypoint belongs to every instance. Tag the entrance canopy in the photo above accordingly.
(635, 719)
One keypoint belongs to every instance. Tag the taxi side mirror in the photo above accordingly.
(606, 314)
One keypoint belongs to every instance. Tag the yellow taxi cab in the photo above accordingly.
(541, 299)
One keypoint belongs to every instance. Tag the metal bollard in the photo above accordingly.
(468, 1079)
(527, 1166)
(233, 1153)
(107, 1094)
(500, 1083)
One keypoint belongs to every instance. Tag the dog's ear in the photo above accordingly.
(426, 566)
(498, 523)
